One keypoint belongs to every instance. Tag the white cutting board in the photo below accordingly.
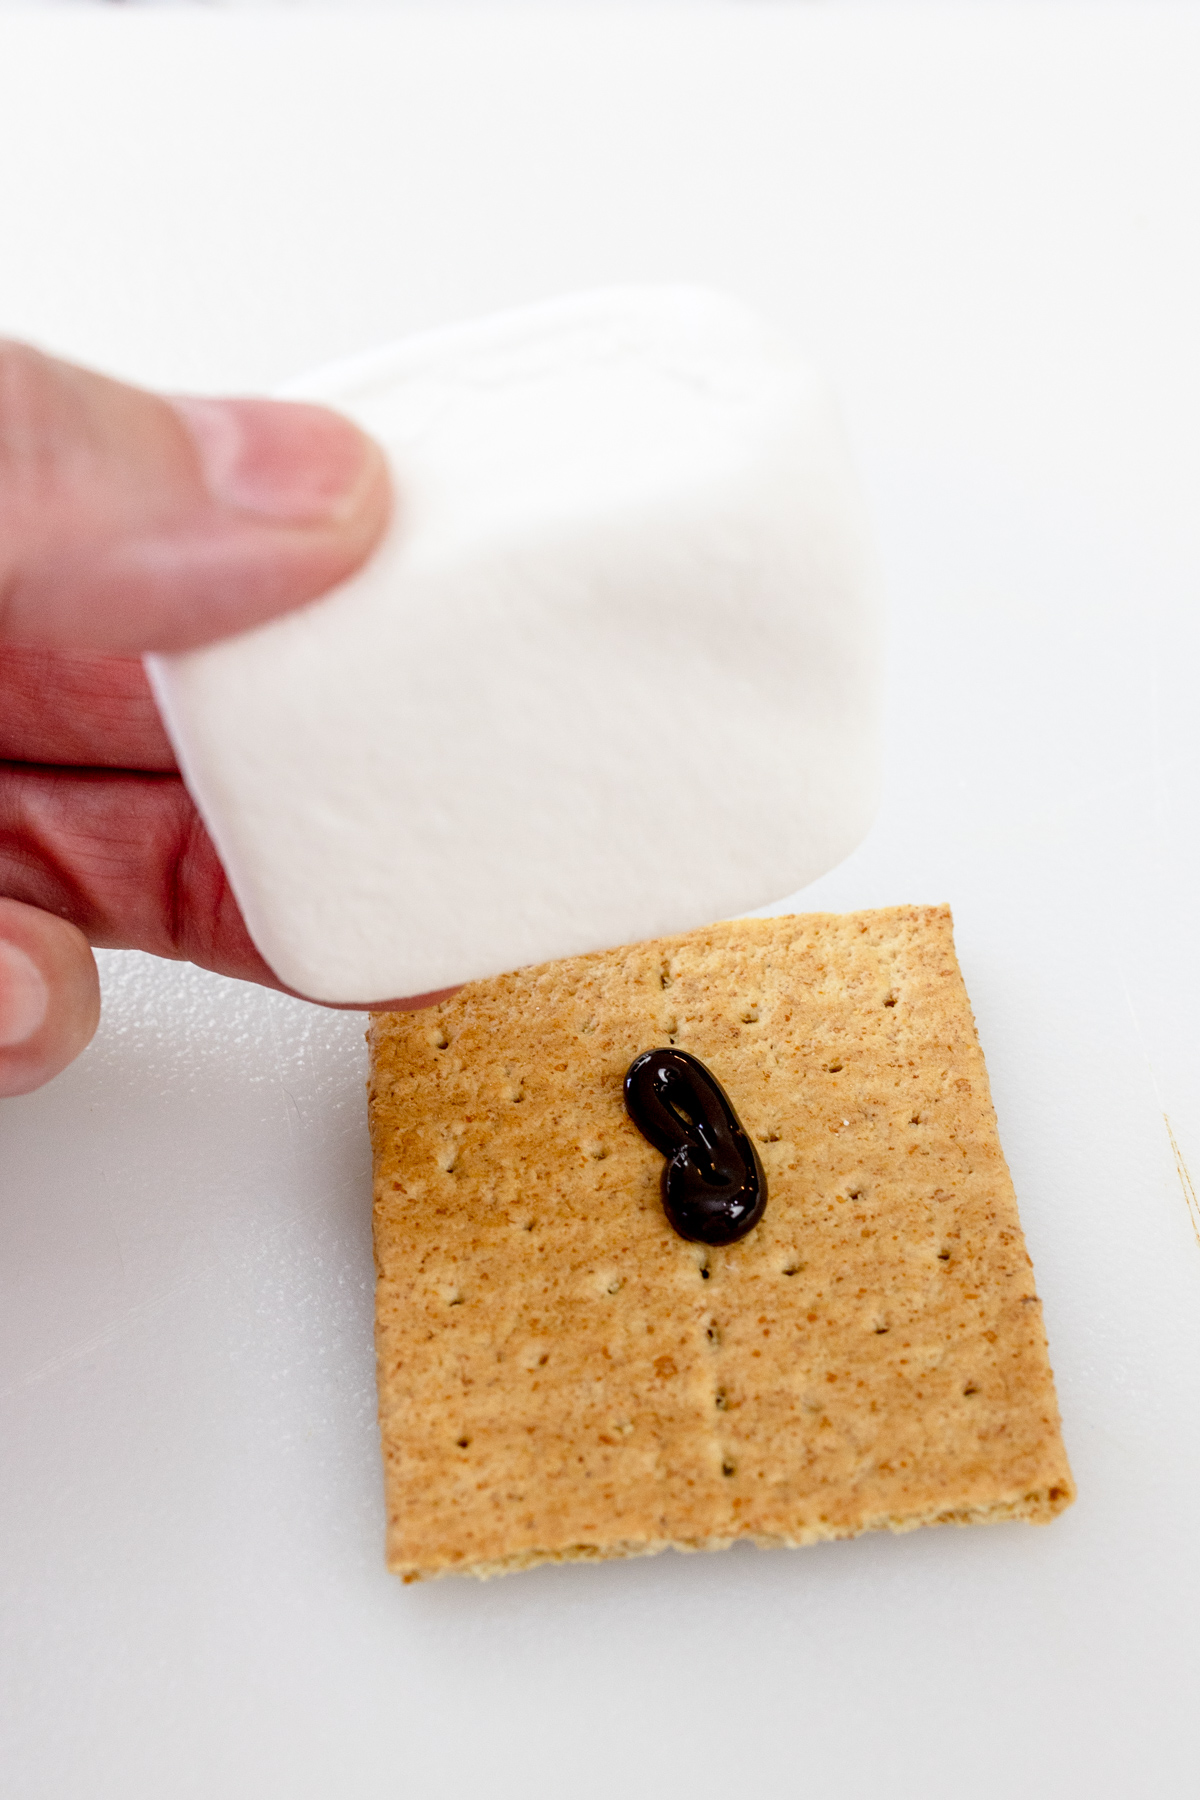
(985, 224)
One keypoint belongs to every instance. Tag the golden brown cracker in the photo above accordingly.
(562, 1376)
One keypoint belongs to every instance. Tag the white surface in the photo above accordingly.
(984, 224)
(612, 673)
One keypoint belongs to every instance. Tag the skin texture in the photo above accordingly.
(131, 523)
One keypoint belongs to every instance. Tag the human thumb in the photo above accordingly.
(130, 522)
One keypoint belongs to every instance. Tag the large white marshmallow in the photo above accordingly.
(612, 673)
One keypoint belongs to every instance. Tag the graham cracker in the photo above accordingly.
(561, 1376)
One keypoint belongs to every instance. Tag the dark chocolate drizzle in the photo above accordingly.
(713, 1186)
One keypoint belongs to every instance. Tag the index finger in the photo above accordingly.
(79, 708)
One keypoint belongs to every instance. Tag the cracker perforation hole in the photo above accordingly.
(970, 1389)
(712, 1332)
(462, 1442)
(728, 1468)
(891, 998)
(721, 1400)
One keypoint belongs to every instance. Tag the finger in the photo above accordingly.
(130, 523)
(49, 996)
(82, 709)
(126, 858)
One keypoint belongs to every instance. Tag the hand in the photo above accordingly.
(130, 523)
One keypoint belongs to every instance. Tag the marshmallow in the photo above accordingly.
(611, 674)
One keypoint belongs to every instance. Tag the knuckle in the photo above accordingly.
(42, 444)
(33, 428)
(26, 383)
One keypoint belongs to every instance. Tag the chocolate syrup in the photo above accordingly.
(713, 1186)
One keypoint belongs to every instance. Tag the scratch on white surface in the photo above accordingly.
(1185, 1181)
(293, 1119)
(1181, 1168)
(258, 1246)
(284, 1049)
(132, 1315)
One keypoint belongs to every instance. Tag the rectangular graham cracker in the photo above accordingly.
(561, 1376)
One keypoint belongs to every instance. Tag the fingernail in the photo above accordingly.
(280, 458)
(24, 997)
